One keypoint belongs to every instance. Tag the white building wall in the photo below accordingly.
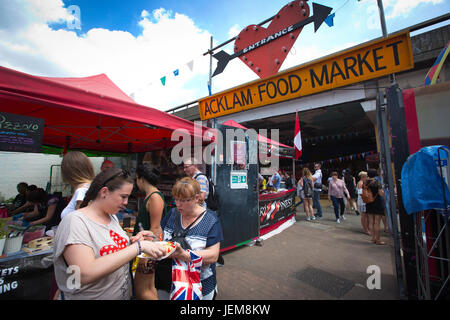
(32, 168)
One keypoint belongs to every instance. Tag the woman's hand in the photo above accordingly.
(143, 235)
(180, 253)
(154, 250)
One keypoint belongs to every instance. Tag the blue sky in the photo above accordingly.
(137, 42)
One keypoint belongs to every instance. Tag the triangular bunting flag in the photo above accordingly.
(330, 20)
(176, 72)
(190, 65)
(163, 80)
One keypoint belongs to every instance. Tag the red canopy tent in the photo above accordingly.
(89, 113)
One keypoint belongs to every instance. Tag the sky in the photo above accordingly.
(138, 42)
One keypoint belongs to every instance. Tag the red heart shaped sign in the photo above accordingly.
(267, 60)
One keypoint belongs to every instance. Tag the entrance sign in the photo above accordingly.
(263, 50)
(20, 133)
(368, 61)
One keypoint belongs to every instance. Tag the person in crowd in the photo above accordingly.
(91, 241)
(191, 169)
(306, 184)
(361, 205)
(336, 192)
(379, 178)
(204, 235)
(107, 164)
(261, 182)
(350, 184)
(21, 197)
(77, 171)
(275, 180)
(288, 180)
(149, 216)
(317, 190)
(44, 211)
(375, 209)
(27, 206)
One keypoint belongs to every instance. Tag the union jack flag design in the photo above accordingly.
(186, 284)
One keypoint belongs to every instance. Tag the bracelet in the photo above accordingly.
(139, 247)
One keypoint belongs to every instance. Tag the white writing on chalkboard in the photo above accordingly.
(8, 286)
(19, 133)
(17, 126)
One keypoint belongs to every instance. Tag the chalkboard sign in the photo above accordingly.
(20, 133)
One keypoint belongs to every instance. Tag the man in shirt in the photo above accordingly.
(317, 178)
(275, 180)
(191, 169)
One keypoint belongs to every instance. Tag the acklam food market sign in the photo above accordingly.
(368, 61)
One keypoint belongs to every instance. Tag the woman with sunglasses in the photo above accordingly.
(204, 234)
(149, 217)
(91, 251)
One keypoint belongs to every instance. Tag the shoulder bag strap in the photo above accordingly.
(189, 226)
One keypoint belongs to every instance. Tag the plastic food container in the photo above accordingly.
(2, 245)
(13, 245)
(33, 233)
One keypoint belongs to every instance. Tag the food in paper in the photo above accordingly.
(169, 247)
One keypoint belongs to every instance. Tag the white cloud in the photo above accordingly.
(234, 31)
(167, 42)
(395, 8)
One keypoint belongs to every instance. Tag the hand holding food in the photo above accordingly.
(153, 249)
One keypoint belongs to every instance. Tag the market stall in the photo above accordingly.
(89, 113)
(246, 211)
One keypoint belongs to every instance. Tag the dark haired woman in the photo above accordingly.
(91, 250)
(150, 215)
(44, 209)
(350, 184)
(375, 209)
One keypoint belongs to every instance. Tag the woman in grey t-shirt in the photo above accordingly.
(91, 251)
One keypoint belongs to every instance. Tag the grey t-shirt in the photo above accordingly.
(76, 228)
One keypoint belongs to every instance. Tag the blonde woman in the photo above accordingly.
(306, 184)
(78, 172)
(361, 205)
(204, 234)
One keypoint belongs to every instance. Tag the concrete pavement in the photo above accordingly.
(310, 260)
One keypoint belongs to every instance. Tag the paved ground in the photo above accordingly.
(310, 260)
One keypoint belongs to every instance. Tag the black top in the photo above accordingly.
(376, 207)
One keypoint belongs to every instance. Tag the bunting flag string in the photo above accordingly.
(163, 80)
(361, 155)
(335, 136)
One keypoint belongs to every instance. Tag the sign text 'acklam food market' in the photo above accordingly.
(368, 61)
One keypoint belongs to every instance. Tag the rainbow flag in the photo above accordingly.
(433, 74)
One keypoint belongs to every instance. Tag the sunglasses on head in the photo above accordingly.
(123, 172)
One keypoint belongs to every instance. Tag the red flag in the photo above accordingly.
(297, 138)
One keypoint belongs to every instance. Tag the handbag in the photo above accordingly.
(163, 268)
